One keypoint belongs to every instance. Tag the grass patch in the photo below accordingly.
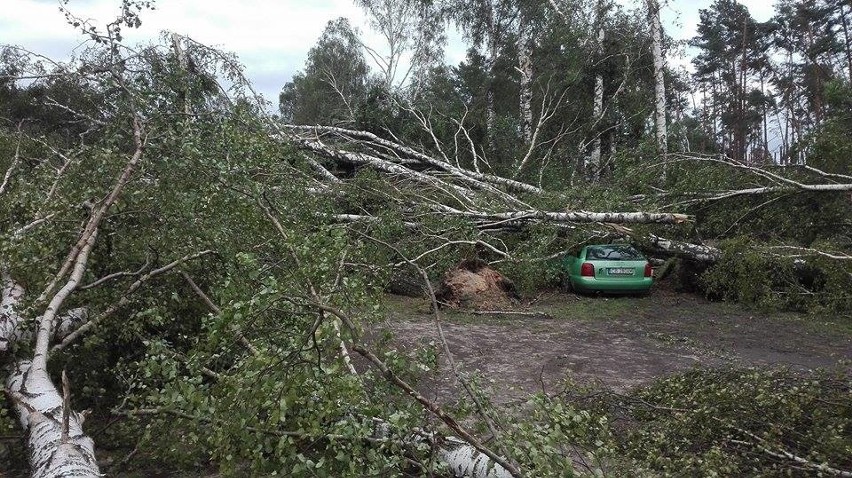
(577, 307)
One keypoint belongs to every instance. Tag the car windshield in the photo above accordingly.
(614, 253)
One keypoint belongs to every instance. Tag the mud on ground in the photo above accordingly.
(619, 342)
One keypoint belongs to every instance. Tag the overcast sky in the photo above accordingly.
(271, 37)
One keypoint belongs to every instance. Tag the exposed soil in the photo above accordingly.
(620, 342)
(473, 284)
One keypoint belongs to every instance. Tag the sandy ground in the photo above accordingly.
(618, 342)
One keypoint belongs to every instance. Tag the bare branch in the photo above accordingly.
(784, 454)
(45, 329)
(549, 108)
(32, 225)
(806, 251)
(116, 275)
(447, 352)
(15, 159)
(825, 174)
(460, 173)
(783, 183)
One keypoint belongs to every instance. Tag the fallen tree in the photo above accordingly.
(57, 444)
(256, 340)
(669, 247)
(401, 152)
(58, 447)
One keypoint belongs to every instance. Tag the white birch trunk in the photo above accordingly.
(184, 66)
(490, 114)
(462, 459)
(58, 447)
(659, 77)
(525, 67)
(465, 461)
(55, 439)
(593, 165)
(9, 318)
(593, 168)
(473, 178)
(388, 167)
(537, 216)
(698, 252)
(574, 216)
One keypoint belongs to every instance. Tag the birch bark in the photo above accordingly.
(525, 67)
(659, 77)
(593, 164)
(55, 439)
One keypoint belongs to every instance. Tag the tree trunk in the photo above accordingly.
(847, 45)
(402, 151)
(765, 120)
(741, 153)
(55, 439)
(183, 94)
(579, 216)
(490, 113)
(464, 460)
(714, 113)
(525, 67)
(659, 77)
(593, 167)
(58, 447)
(661, 245)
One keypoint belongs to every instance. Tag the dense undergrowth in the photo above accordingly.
(717, 422)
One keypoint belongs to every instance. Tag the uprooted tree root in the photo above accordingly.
(473, 284)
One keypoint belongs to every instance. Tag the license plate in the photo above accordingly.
(619, 271)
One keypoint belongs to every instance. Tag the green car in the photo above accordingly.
(608, 268)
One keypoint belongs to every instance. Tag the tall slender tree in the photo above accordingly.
(653, 7)
(333, 82)
(593, 164)
(413, 35)
(732, 48)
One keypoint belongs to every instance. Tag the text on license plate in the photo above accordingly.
(619, 271)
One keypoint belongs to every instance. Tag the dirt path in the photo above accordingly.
(620, 342)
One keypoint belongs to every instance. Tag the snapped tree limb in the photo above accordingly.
(572, 216)
(476, 179)
(464, 194)
(697, 252)
(55, 439)
(57, 449)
